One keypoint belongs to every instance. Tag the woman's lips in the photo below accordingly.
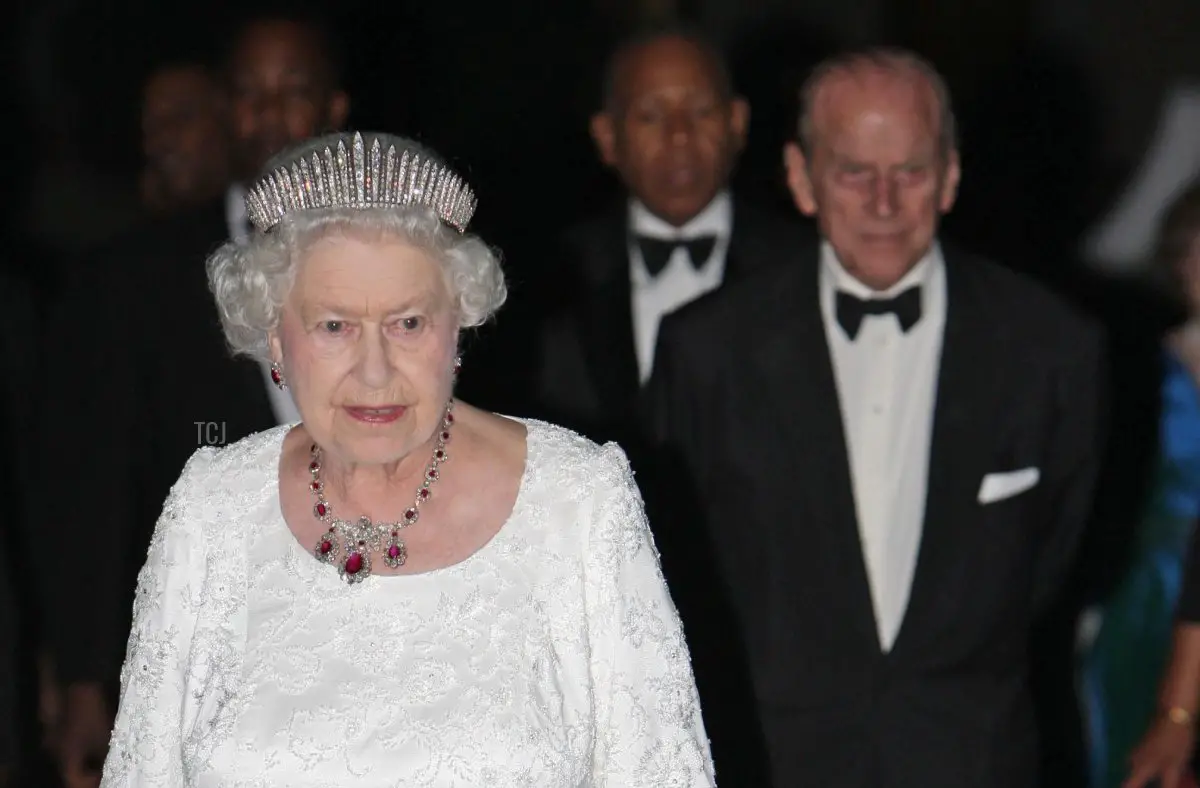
(376, 415)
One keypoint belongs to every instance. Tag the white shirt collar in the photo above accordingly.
(839, 278)
(715, 219)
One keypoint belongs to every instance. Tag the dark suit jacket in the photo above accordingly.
(19, 418)
(588, 374)
(754, 468)
(144, 360)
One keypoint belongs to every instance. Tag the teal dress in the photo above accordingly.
(1122, 670)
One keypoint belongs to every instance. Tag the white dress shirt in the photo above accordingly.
(886, 381)
(655, 297)
(282, 404)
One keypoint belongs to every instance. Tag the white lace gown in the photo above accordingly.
(551, 657)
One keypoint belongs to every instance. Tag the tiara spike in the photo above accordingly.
(345, 187)
(391, 189)
(357, 171)
(452, 192)
(331, 186)
(264, 203)
(423, 189)
(304, 176)
(254, 207)
(449, 195)
(319, 179)
(404, 180)
(358, 157)
(438, 186)
(275, 198)
(445, 180)
(374, 173)
(404, 183)
(300, 173)
(289, 194)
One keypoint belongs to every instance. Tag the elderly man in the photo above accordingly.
(887, 451)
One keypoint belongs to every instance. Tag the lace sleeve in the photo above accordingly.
(649, 730)
(146, 744)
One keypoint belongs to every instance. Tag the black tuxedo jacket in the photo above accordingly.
(146, 379)
(587, 377)
(19, 530)
(755, 516)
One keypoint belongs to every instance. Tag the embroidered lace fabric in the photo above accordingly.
(551, 657)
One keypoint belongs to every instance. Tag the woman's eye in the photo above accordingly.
(411, 324)
(333, 326)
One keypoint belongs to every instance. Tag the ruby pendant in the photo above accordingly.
(395, 554)
(356, 567)
(326, 549)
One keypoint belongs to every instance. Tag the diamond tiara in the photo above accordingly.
(395, 173)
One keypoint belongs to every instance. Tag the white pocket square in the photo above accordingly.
(998, 486)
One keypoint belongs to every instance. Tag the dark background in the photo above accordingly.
(1057, 98)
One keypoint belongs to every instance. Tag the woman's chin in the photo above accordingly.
(373, 445)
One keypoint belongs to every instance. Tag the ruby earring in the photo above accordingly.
(457, 364)
(277, 376)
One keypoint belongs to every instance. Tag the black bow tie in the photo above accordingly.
(656, 252)
(851, 310)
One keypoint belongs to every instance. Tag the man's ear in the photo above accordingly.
(603, 129)
(950, 181)
(739, 121)
(339, 109)
(798, 180)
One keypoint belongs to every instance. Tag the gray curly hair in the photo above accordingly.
(251, 281)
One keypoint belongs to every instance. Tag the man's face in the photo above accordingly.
(878, 178)
(282, 92)
(185, 136)
(672, 133)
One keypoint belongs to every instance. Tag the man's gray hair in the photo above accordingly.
(251, 281)
(884, 58)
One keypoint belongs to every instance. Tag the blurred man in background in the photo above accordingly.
(186, 143)
(671, 127)
(145, 395)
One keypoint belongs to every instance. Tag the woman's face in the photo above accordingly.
(367, 342)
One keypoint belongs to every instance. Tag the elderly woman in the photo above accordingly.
(402, 589)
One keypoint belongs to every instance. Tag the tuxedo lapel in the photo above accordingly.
(759, 241)
(756, 242)
(740, 256)
(608, 341)
(969, 388)
(803, 389)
